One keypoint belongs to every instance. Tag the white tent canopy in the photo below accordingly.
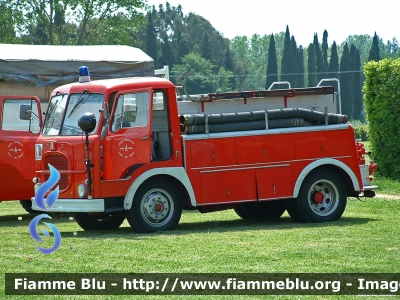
(49, 65)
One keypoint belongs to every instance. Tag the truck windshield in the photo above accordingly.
(63, 112)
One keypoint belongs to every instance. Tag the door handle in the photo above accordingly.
(145, 138)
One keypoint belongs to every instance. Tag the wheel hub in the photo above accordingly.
(323, 197)
(317, 197)
(156, 207)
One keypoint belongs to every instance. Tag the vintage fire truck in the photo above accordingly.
(127, 148)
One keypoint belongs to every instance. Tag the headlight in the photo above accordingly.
(82, 190)
(38, 151)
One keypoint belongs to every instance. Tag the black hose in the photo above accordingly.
(242, 126)
(307, 114)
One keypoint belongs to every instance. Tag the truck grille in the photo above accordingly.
(61, 164)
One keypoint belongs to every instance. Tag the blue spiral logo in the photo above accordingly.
(39, 201)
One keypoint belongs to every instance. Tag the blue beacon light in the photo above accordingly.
(84, 74)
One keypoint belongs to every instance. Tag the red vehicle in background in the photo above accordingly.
(128, 148)
(20, 120)
(36, 70)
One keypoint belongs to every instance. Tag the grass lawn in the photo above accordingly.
(365, 240)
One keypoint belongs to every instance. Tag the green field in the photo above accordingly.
(365, 240)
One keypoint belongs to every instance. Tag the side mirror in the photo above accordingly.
(25, 112)
(87, 122)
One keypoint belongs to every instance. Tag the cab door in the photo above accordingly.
(20, 125)
(128, 140)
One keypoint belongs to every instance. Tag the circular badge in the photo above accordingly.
(125, 148)
(15, 150)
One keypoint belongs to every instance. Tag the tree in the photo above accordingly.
(325, 63)
(182, 49)
(334, 62)
(167, 56)
(201, 80)
(151, 38)
(229, 67)
(206, 47)
(272, 67)
(374, 53)
(7, 22)
(312, 68)
(287, 69)
(356, 83)
(318, 57)
(345, 81)
(299, 68)
(57, 17)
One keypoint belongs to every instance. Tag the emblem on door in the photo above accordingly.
(125, 148)
(15, 150)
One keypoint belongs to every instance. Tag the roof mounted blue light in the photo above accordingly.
(84, 74)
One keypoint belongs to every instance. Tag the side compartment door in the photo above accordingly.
(128, 142)
(20, 125)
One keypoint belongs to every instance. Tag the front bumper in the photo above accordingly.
(73, 205)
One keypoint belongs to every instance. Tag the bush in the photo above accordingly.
(382, 104)
(360, 131)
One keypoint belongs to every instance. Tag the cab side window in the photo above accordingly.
(11, 116)
(131, 110)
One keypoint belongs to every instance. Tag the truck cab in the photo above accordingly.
(133, 133)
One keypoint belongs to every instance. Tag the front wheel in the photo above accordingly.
(322, 198)
(157, 206)
(99, 221)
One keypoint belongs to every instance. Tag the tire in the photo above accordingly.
(99, 221)
(27, 205)
(156, 206)
(265, 210)
(322, 198)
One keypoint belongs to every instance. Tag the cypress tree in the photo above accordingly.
(287, 68)
(352, 52)
(318, 57)
(374, 53)
(325, 64)
(294, 51)
(345, 81)
(272, 67)
(334, 62)
(357, 95)
(299, 67)
(312, 69)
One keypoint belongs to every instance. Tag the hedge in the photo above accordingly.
(382, 104)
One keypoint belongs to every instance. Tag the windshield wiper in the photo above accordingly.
(78, 103)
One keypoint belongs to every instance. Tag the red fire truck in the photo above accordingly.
(127, 148)
(20, 126)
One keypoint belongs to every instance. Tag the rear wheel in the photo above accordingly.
(322, 198)
(261, 210)
(157, 206)
(99, 221)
